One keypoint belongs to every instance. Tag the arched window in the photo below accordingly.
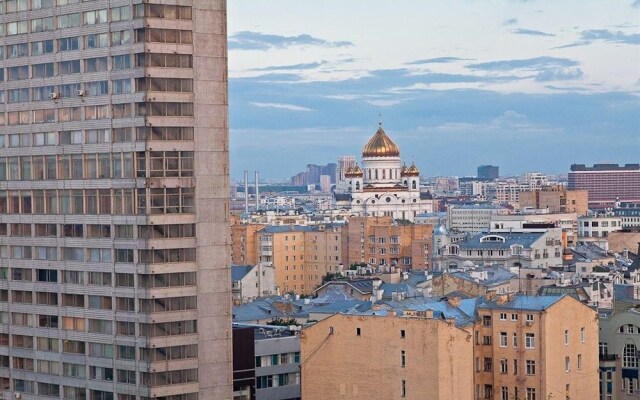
(357, 185)
(630, 356)
(413, 184)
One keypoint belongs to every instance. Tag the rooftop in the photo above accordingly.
(503, 240)
(605, 167)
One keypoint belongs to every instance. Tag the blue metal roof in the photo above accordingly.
(239, 271)
(522, 302)
(288, 228)
(525, 239)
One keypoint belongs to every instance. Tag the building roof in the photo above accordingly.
(343, 306)
(522, 302)
(605, 167)
(578, 292)
(495, 275)
(287, 228)
(525, 239)
(239, 271)
(380, 145)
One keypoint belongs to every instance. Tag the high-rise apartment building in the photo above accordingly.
(606, 182)
(114, 136)
(488, 172)
(345, 163)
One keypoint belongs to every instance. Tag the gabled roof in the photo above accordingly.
(240, 271)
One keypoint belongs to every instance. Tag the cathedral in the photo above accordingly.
(383, 185)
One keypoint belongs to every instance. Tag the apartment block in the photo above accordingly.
(556, 199)
(527, 347)
(386, 357)
(244, 248)
(114, 259)
(381, 241)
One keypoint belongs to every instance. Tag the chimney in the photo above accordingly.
(454, 301)
(257, 192)
(246, 192)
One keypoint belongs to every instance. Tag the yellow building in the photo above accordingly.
(381, 241)
(244, 248)
(300, 255)
(386, 357)
(500, 347)
(536, 348)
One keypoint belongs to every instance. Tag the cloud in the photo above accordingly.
(510, 21)
(604, 35)
(610, 36)
(559, 74)
(290, 107)
(530, 32)
(292, 67)
(529, 63)
(438, 60)
(636, 4)
(247, 40)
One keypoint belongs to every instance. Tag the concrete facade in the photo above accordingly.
(343, 358)
(117, 114)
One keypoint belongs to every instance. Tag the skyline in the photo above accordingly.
(526, 85)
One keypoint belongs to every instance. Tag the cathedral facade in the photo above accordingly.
(383, 185)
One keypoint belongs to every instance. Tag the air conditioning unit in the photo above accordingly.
(54, 95)
(81, 92)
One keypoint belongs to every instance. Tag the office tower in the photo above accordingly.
(606, 182)
(345, 163)
(115, 155)
(488, 172)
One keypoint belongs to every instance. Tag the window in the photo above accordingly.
(530, 367)
(486, 320)
(566, 336)
(530, 318)
(503, 339)
(95, 17)
(503, 316)
(357, 331)
(403, 358)
(504, 366)
(120, 38)
(402, 333)
(96, 41)
(630, 356)
(69, 21)
(531, 394)
(567, 364)
(529, 341)
(488, 364)
(582, 334)
(42, 24)
(403, 388)
(579, 361)
(514, 317)
(504, 393)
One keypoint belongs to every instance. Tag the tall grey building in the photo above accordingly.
(114, 237)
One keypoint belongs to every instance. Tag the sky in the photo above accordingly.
(528, 85)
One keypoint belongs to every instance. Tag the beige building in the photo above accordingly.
(386, 357)
(381, 241)
(244, 248)
(557, 199)
(117, 247)
(300, 255)
(536, 347)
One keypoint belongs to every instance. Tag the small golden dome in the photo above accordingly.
(354, 172)
(404, 169)
(380, 146)
(413, 170)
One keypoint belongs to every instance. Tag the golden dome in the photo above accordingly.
(413, 170)
(404, 169)
(380, 146)
(354, 172)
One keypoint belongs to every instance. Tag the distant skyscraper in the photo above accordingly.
(488, 172)
(345, 163)
(115, 155)
(606, 182)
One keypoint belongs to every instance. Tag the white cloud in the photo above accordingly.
(282, 106)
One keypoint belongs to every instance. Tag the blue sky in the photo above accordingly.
(524, 84)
